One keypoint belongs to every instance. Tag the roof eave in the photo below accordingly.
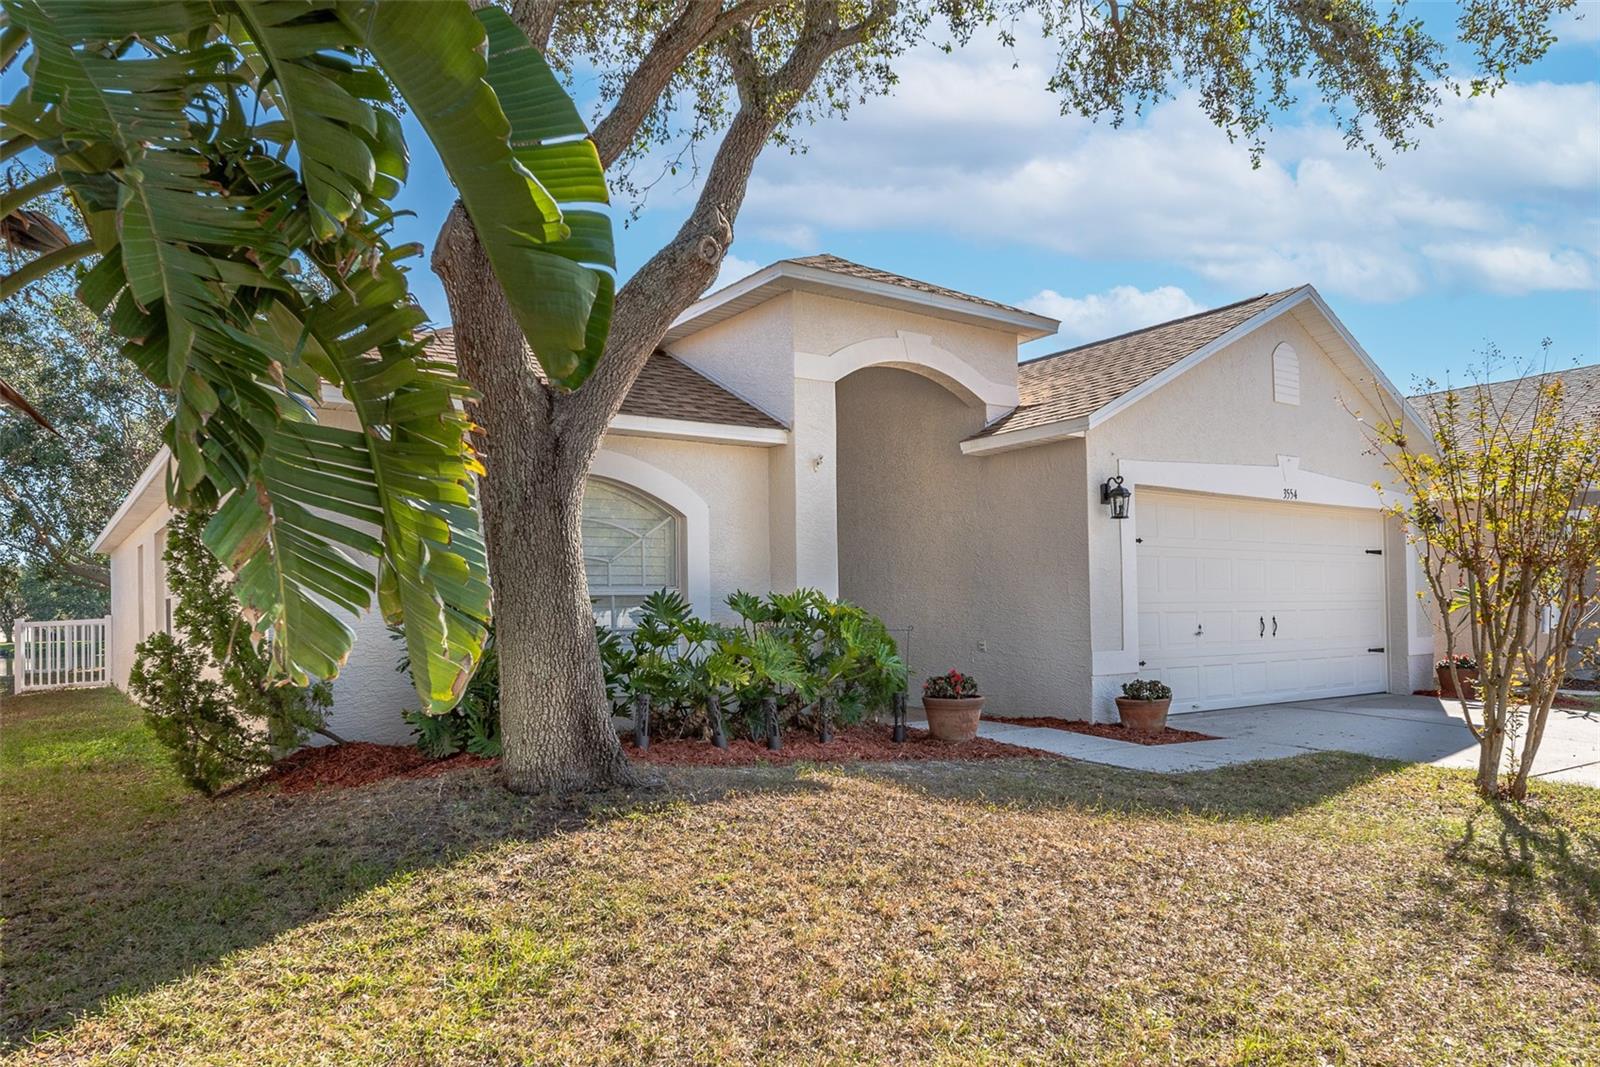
(782, 277)
(1009, 440)
(695, 430)
(147, 493)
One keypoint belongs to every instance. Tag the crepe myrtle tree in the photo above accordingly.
(1503, 508)
(720, 81)
(231, 166)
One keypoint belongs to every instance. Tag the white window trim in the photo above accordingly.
(695, 550)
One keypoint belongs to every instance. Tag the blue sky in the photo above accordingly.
(968, 176)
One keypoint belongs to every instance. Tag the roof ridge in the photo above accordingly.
(1158, 325)
(1504, 381)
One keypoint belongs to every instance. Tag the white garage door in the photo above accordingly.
(1251, 602)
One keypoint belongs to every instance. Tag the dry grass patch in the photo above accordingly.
(1329, 909)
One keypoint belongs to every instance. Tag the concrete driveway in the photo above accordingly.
(1415, 729)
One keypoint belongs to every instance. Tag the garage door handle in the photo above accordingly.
(1201, 630)
(1263, 632)
(1274, 626)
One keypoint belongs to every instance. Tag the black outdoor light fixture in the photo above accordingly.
(1113, 492)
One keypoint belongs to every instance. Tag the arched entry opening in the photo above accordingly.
(911, 534)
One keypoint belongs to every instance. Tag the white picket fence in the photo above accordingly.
(62, 654)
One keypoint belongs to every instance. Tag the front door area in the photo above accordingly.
(1254, 602)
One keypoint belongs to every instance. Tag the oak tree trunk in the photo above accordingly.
(556, 726)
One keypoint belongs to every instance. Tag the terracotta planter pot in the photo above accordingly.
(1469, 681)
(1143, 716)
(953, 720)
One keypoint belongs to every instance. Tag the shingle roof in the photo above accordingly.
(667, 388)
(1082, 380)
(836, 265)
(1580, 393)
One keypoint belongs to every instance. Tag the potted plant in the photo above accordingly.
(952, 704)
(1143, 705)
(1466, 668)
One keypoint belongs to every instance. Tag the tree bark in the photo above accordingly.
(556, 728)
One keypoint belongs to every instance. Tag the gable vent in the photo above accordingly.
(1285, 374)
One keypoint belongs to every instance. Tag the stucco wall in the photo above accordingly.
(823, 325)
(984, 556)
(127, 629)
(369, 693)
(750, 355)
(1223, 412)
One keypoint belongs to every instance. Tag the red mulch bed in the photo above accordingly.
(866, 743)
(360, 763)
(356, 763)
(1112, 730)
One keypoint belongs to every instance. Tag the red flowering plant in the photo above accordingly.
(951, 686)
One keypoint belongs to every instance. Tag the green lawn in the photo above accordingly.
(1326, 910)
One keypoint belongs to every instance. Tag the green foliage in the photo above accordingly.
(801, 648)
(215, 153)
(1378, 69)
(60, 488)
(473, 725)
(1496, 494)
(206, 689)
(1146, 689)
(35, 590)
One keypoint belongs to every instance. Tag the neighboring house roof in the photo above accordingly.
(667, 388)
(832, 276)
(1080, 381)
(1580, 393)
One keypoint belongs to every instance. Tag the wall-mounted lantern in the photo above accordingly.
(1113, 492)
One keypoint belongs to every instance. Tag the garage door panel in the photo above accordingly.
(1230, 568)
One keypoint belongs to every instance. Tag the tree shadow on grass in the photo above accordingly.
(1269, 789)
(1535, 878)
(121, 911)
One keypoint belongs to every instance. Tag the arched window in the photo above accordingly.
(630, 549)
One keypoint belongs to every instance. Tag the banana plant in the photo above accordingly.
(232, 166)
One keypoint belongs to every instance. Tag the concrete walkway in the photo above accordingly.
(1415, 729)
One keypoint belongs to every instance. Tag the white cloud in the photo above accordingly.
(1117, 310)
(1578, 26)
(731, 270)
(1513, 268)
(972, 145)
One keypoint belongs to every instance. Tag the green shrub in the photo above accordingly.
(803, 649)
(1146, 689)
(473, 725)
(206, 692)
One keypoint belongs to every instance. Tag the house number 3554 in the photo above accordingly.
(1291, 494)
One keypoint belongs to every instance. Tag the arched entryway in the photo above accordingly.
(911, 535)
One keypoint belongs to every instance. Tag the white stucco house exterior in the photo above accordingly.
(820, 423)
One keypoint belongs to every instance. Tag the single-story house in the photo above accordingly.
(821, 423)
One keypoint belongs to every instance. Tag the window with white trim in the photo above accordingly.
(630, 550)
